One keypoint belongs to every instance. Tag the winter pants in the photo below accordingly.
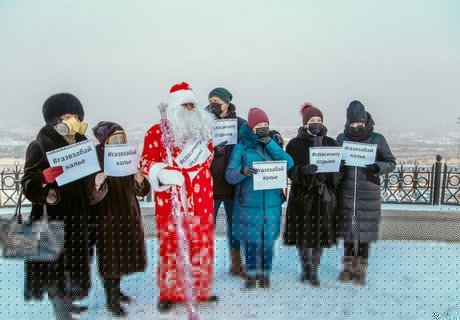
(363, 249)
(228, 206)
(259, 258)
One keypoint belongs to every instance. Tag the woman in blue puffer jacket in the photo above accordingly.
(257, 213)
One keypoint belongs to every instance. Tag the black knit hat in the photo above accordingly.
(60, 104)
(356, 112)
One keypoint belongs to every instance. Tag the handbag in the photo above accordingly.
(36, 241)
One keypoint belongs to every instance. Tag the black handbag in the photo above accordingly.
(36, 241)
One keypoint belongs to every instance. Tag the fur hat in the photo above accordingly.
(104, 129)
(60, 104)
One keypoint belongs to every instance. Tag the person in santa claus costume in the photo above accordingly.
(187, 139)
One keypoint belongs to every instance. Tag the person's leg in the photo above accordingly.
(252, 257)
(112, 291)
(305, 262)
(267, 263)
(236, 263)
(62, 308)
(348, 262)
(316, 259)
(217, 203)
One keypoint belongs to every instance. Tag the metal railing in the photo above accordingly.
(407, 184)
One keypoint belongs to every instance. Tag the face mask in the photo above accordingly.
(118, 137)
(215, 108)
(357, 129)
(315, 128)
(262, 131)
(71, 126)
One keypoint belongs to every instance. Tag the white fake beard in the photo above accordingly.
(190, 124)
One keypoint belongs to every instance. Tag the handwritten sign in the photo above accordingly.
(225, 130)
(326, 158)
(78, 160)
(120, 160)
(193, 153)
(358, 154)
(270, 175)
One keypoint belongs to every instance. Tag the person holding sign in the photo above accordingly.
(221, 107)
(120, 244)
(178, 157)
(311, 211)
(67, 278)
(257, 213)
(359, 193)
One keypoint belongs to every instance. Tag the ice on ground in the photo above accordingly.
(406, 280)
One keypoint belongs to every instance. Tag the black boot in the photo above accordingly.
(306, 274)
(251, 282)
(314, 281)
(125, 298)
(164, 305)
(78, 308)
(264, 282)
(112, 291)
(62, 308)
(305, 262)
(213, 298)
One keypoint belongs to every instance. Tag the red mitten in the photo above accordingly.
(50, 174)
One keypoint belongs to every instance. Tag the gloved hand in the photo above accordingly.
(309, 169)
(248, 171)
(264, 140)
(372, 168)
(220, 148)
(50, 174)
(171, 177)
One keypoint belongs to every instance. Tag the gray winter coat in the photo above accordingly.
(366, 206)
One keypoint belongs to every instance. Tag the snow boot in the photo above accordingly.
(348, 269)
(251, 282)
(164, 305)
(236, 268)
(264, 282)
(112, 291)
(359, 276)
(78, 308)
(125, 298)
(314, 281)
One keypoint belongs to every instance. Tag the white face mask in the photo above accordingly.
(71, 126)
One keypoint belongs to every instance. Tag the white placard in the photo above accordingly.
(326, 158)
(225, 130)
(358, 154)
(270, 175)
(120, 159)
(194, 152)
(78, 160)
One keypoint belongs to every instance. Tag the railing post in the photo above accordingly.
(437, 180)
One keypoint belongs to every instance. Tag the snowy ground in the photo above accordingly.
(407, 280)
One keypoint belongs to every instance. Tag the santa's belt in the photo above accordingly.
(188, 181)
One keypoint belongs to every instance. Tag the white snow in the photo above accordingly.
(406, 280)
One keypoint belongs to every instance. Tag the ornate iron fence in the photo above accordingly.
(436, 184)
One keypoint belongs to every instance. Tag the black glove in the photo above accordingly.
(220, 148)
(309, 169)
(248, 171)
(372, 168)
(264, 140)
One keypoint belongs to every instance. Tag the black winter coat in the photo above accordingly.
(222, 189)
(366, 206)
(120, 244)
(311, 216)
(72, 269)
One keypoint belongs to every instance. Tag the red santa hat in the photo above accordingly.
(181, 93)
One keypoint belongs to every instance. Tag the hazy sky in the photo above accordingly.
(400, 58)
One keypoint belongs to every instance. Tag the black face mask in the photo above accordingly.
(262, 132)
(356, 130)
(315, 128)
(215, 108)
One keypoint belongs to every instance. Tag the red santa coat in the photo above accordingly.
(199, 221)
